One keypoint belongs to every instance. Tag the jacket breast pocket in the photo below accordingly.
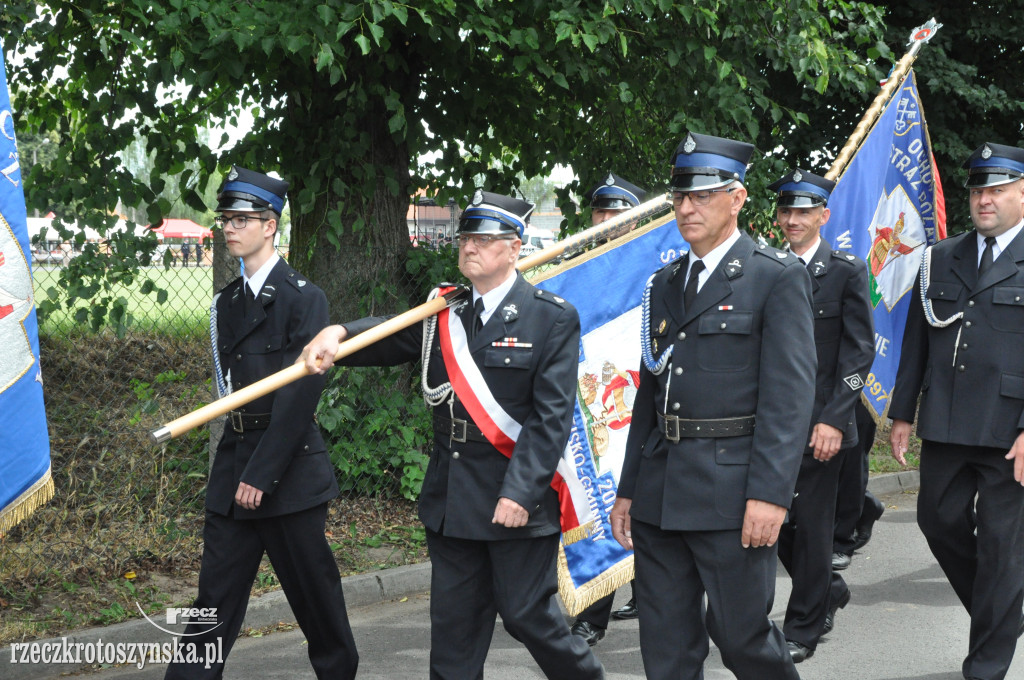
(828, 323)
(267, 345)
(1008, 309)
(724, 342)
(944, 297)
(508, 357)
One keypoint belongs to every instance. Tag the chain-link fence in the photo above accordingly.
(125, 525)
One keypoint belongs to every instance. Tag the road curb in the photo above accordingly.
(272, 608)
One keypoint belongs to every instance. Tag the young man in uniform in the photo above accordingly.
(271, 478)
(844, 342)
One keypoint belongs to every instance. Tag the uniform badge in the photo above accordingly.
(725, 308)
(851, 258)
(654, 344)
(986, 152)
(610, 180)
(558, 299)
(662, 326)
(798, 176)
(233, 175)
(690, 144)
(478, 197)
(509, 312)
(853, 382)
(819, 267)
(301, 283)
(781, 256)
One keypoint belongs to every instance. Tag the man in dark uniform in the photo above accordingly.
(500, 373)
(607, 200)
(844, 340)
(962, 355)
(719, 425)
(271, 478)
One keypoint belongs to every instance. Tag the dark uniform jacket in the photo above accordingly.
(535, 383)
(843, 336)
(747, 348)
(970, 374)
(287, 460)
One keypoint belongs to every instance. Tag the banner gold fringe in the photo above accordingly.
(27, 503)
(606, 583)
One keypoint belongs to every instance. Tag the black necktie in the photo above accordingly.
(250, 300)
(478, 321)
(986, 256)
(690, 292)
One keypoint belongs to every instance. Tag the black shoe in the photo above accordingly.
(626, 611)
(840, 561)
(798, 651)
(830, 618)
(588, 631)
(873, 510)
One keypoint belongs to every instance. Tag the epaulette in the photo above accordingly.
(781, 256)
(550, 297)
(670, 269)
(844, 256)
(237, 282)
(297, 280)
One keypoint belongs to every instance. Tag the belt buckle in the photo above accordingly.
(672, 428)
(236, 421)
(458, 423)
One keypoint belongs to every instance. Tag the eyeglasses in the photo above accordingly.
(483, 240)
(699, 198)
(237, 221)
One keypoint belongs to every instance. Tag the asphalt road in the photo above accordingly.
(903, 623)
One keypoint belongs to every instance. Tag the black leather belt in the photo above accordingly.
(675, 428)
(458, 430)
(240, 422)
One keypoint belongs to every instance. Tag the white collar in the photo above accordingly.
(493, 297)
(810, 252)
(1002, 241)
(712, 259)
(256, 280)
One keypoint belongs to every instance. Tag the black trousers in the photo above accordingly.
(986, 570)
(674, 570)
(472, 581)
(305, 566)
(853, 482)
(805, 546)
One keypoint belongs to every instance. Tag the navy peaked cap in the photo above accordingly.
(993, 164)
(706, 162)
(802, 189)
(250, 191)
(614, 193)
(489, 213)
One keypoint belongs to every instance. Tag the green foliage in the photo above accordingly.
(345, 99)
(379, 436)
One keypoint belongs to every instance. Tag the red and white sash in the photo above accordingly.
(500, 429)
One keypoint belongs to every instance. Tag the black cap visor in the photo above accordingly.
(485, 226)
(240, 202)
(611, 203)
(990, 177)
(695, 179)
(799, 199)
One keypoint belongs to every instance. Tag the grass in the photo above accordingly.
(186, 309)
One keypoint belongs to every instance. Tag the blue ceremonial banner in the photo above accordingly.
(606, 286)
(25, 481)
(887, 207)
